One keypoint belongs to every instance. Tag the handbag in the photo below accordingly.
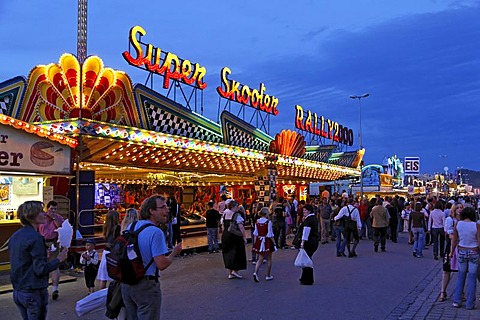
(233, 227)
(114, 300)
(446, 263)
(303, 260)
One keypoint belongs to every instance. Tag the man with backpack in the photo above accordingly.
(143, 299)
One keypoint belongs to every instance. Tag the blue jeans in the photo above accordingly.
(419, 238)
(212, 234)
(340, 238)
(367, 230)
(467, 269)
(32, 305)
(142, 300)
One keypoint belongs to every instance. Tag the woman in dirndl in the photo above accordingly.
(264, 245)
(233, 246)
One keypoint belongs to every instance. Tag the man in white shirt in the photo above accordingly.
(353, 224)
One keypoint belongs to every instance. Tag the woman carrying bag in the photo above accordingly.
(310, 236)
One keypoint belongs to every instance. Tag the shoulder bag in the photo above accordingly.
(233, 227)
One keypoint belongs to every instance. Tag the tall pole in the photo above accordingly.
(82, 31)
(360, 144)
(81, 56)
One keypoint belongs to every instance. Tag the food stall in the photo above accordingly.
(29, 157)
(132, 141)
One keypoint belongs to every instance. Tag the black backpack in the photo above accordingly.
(120, 266)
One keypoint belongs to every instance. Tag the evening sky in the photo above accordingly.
(419, 60)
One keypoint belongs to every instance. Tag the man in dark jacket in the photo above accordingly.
(393, 225)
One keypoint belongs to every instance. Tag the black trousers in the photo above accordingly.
(380, 235)
(307, 273)
(177, 238)
(393, 231)
(279, 232)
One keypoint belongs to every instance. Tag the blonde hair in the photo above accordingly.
(130, 217)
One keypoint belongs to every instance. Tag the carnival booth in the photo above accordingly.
(130, 141)
(29, 157)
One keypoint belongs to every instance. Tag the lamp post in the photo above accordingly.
(360, 145)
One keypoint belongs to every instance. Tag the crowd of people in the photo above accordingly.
(450, 226)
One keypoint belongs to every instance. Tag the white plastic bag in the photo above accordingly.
(303, 260)
(93, 302)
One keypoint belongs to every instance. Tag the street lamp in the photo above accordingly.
(359, 97)
(360, 145)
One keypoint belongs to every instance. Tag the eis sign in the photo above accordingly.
(326, 128)
(170, 66)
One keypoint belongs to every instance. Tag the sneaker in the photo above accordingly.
(55, 295)
(293, 247)
(236, 275)
(231, 276)
(264, 260)
(255, 277)
(254, 262)
(456, 305)
(268, 278)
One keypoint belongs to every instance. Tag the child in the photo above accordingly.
(90, 261)
(264, 245)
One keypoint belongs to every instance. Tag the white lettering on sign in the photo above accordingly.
(412, 165)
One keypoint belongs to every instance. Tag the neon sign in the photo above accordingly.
(320, 126)
(235, 91)
(166, 64)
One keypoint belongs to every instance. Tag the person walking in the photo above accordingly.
(339, 227)
(212, 217)
(436, 224)
(352, 225)
(450, 264)
(47, 230)
(233, 245)
(417, 228)
(393, 222)
(144, 299)
(309, 241)
(466, 236)
(29, 263)
(380, 221)
(279, 227)
(325, 211)
(264, 245)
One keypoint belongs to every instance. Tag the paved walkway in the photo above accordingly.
(391, 285)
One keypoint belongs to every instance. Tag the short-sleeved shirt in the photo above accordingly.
(47, 230)
(151, 242)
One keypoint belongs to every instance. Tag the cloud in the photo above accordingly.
(422, 72)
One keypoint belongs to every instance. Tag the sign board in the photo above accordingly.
(412, 165)
(47, 194)
(21, 151)
(326, 128)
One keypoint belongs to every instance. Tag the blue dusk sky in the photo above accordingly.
(418, 59)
